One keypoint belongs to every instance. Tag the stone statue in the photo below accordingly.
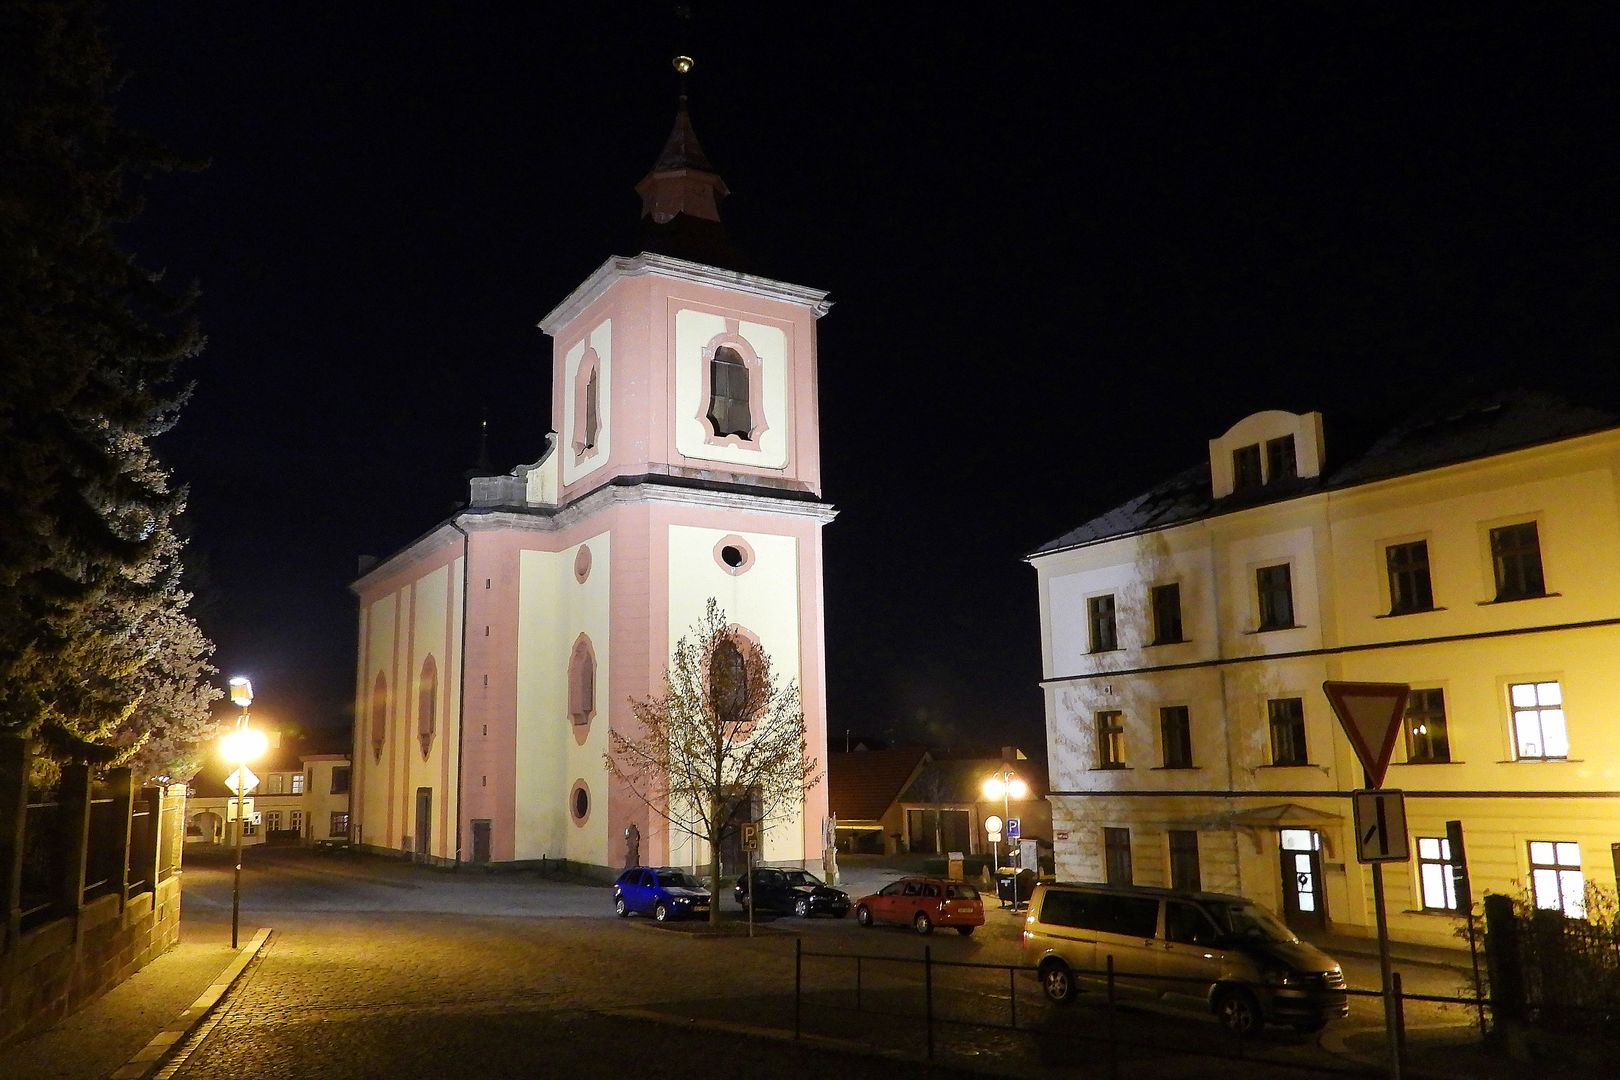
(632, 846)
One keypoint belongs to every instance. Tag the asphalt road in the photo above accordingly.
(383, 969)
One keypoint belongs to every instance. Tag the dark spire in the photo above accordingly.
(680, 197)
(481, 467)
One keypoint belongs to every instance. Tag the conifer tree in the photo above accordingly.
(96, 648)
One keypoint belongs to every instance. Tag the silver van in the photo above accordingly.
(1212, 950)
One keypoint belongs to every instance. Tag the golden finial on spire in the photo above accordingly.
(683, 64)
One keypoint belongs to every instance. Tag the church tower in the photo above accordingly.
(497, 651)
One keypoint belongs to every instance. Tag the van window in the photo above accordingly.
(961, 892)
(911, 889)
(1132, 916)
(930, 890)
(1188, 925)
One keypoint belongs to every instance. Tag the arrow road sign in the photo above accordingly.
(1371, 716)
(1380, 818)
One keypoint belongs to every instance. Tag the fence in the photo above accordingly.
(1553, 972)
(1008, 998)
(86, 889)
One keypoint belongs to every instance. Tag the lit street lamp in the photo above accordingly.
(1006, 787)
(239, 747)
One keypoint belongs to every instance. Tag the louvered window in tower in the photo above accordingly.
(728, 394)
(592, 410)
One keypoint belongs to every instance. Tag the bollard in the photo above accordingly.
(1400, 1022)
(1113, 1025)
(928, 995)
(1012, 995)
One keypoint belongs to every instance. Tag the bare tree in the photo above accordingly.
(721, 736)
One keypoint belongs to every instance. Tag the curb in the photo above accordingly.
(151, 1056)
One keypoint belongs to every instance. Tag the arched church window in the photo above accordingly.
(592, 407)
(427, 704)
(728, 682)
(728, 394)
(587, 403)
(379, 715)
(582, 682)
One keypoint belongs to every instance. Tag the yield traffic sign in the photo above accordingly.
(1371, 715)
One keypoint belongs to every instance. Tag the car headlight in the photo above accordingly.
(1278, 977)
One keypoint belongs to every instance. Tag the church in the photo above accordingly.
(498, 650)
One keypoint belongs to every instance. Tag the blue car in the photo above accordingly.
(664, 892)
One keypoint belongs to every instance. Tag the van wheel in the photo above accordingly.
(922, 923)
(1239, 1013)
(863, 915)
(965, 931)
(1057, 982)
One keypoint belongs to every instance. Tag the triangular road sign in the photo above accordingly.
(1371, 715)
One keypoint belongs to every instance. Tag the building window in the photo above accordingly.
(427, 705)
(1184, 860)
(1166, 614)
(1246, 468)
(1275, 585)
(1117, 856)
(1409, 586)
(1556, 880)
(1434, 874)
(728, 393)
(379, 715)
(272, 820)
(248, 828)
(297, 779)
(339, 829)
(1111, 740)
(728, 682)
(1281, 462)
(1176, 734)
(275, 784)
(1426, 739)
(340, 780)
(1287, 731)
(1100, 610)
(1538, 721)
(582, 682)
(1516, 558)
(296, 821)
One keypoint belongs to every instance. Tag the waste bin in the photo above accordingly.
(1015, 888)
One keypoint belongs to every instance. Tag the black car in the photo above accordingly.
(791, 889)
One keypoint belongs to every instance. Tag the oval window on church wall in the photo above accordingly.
(427, 705)
(581, 687)
(379, 715)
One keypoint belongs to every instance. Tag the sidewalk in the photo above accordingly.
(110, 1030)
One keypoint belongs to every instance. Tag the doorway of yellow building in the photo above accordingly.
(1304, 905)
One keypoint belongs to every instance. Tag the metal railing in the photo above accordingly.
(860, 992)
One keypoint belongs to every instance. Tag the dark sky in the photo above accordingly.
(1065, 251)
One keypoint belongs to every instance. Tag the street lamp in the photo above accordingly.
(239, 747)
(1006, 787)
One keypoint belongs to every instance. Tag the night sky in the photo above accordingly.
(1064, 252)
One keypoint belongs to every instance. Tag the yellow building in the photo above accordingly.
(1474, 554)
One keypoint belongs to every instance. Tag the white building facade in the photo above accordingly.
(1187, 634)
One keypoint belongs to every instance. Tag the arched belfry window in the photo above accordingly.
(582, 682)
(587, 403)
(427, 704)
(379, 715)
(728, 394)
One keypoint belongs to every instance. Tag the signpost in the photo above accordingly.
(750, 846)
(1371, 716)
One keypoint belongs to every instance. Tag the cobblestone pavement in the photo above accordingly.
(379, 968)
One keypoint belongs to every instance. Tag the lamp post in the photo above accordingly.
(1006, 787)
(239, 747)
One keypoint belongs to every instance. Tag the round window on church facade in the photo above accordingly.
(579, 803)
(734, 554)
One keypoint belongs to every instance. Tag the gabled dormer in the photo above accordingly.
(1264, 449)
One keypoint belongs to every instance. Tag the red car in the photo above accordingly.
(923, 903)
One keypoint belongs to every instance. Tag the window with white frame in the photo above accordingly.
(296, 821)
(1435, 874)
(1556, 880)
(272, 820)
(297, 783)
(1111, 739)
(1539, 732)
